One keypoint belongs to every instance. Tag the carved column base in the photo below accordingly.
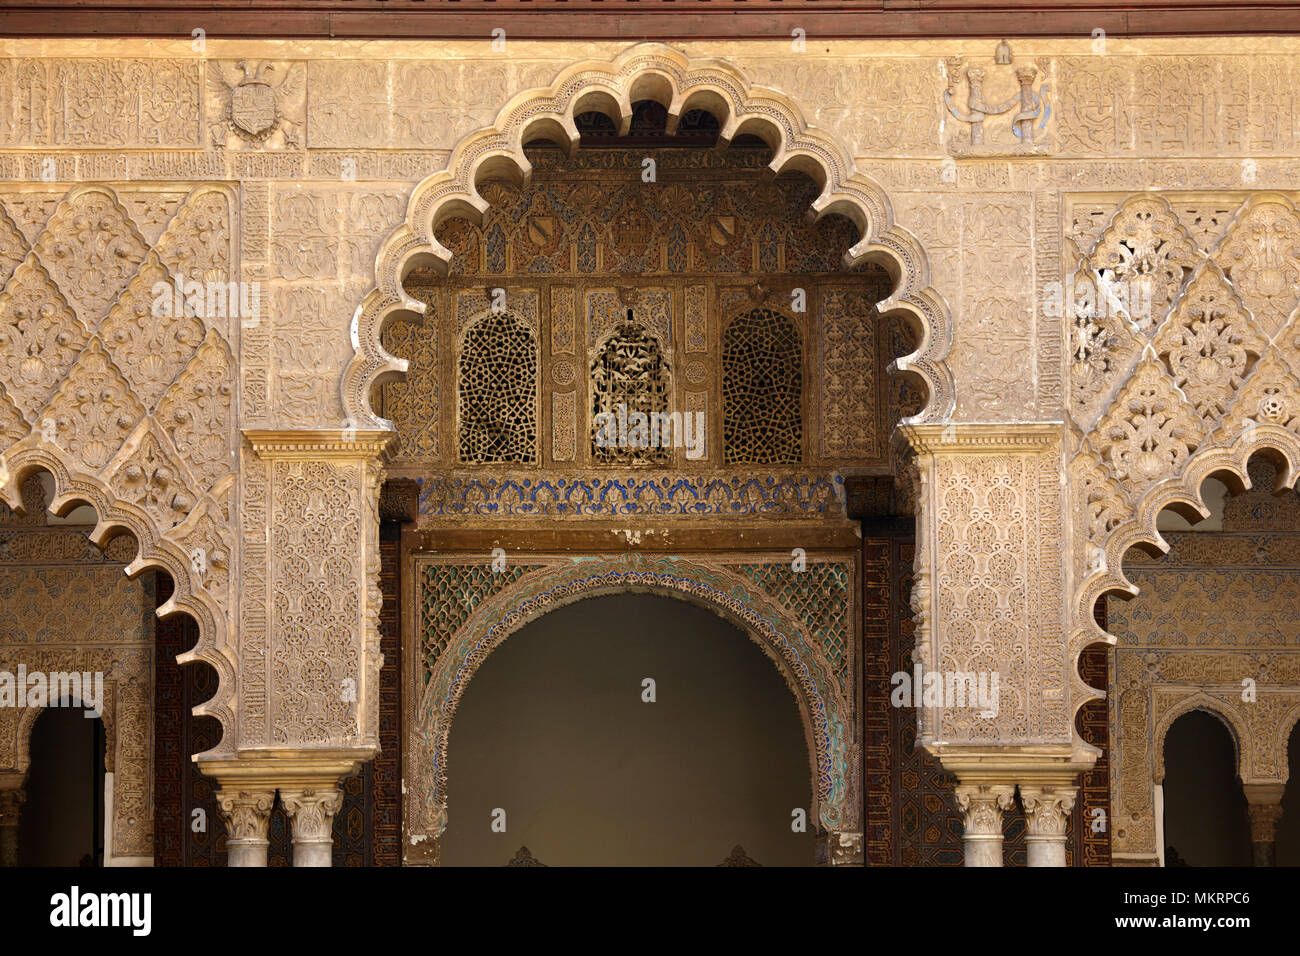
(1264, 806)
(982, 806)
(1047, 815)
(12, 796)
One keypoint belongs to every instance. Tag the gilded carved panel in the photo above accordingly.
(700, 269)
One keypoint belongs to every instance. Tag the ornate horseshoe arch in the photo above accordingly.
(658, 72)
(156, 552)
(1181, 492)
(824, 704)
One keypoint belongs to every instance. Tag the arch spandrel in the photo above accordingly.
(151, 452)
(656, 72)
(825, 702)
(1144, 409)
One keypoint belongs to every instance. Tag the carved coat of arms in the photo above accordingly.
(256, 104)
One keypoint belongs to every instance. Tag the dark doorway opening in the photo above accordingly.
(62, 822)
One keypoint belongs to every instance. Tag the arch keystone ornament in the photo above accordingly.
(681, 84)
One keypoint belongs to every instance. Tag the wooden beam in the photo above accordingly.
(642, 20)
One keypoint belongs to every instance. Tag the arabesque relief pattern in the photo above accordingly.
(119, 374)
(335, 175)
(692, 239)
(1184, 345)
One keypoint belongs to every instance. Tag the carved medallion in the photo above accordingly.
(252, 108)
(256, 104)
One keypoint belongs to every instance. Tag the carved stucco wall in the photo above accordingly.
(1189, 377)
(65, 606)
(1219, 609)
(320, 175)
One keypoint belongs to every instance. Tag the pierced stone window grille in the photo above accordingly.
(497, 387)
(762, 390)
(629, 379)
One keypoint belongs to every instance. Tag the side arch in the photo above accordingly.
(824, 704)
(1105, 571)
(153, 470)
(680, 84)
(73, 488)
(1232, 721)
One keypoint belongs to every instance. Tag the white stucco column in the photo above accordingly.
(247, 813)
(982, 806)
(312, 813)
(1047, 819)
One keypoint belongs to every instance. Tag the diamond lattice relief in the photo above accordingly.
(498, 392)
(762, 385)
(629, 375)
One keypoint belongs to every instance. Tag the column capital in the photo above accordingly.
(982, 805)
(1264, 810)
(311, 812)
(247, 814)
(1047, 810)
(1264, 818)
(978, 801)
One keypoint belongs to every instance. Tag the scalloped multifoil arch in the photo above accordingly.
(1183, 493)
(74, 486)
(680, 83)
(824, 707)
